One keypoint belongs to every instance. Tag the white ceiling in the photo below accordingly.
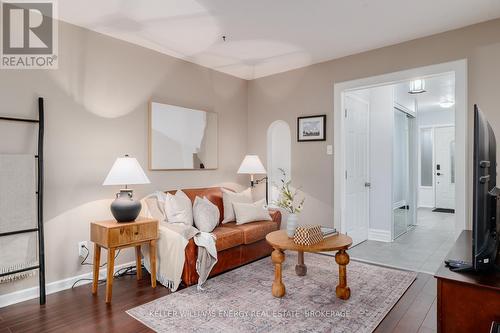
(437, 89)
(267, 37)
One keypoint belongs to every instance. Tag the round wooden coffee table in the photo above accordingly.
(280, 241)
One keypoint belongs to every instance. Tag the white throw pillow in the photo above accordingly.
(206, 214)
(229, 198)
(155, 203)
(256, 211)
(178, 208)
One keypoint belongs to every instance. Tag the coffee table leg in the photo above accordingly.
(278, 287)
(342, 290)
(300, 268)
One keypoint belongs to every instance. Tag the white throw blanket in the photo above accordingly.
(172, 242)
(207, 256)
(17, 212)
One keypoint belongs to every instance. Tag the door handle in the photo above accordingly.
(368, 184)
(439, 174)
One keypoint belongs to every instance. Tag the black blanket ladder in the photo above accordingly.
(39, 193)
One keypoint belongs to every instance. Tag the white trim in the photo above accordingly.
(53, 287)
(359, 99)
(379, 235)
(463, 154)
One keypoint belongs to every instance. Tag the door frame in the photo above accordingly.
(412, 192)
(367, 103)
(463, 212)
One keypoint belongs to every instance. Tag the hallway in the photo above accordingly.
(423, 248)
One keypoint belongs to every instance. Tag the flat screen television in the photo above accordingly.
(485, 225)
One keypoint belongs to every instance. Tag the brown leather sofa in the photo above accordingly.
(236, 244)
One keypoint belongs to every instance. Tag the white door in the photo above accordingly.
(356, 173)
(444, 152)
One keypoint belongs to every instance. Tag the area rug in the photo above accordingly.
(241, 300)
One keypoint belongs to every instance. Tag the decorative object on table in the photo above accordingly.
(291, 224)
(288, 200)
(311, 128)
(112, 236)
(252, 165)
(126, 171)
(327, 232)
(182, 138)
(308, 235)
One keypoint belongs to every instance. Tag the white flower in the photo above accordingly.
(289, 202)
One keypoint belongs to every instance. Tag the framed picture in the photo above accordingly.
(311, 128)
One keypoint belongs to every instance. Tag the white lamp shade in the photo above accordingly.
(251, 165)
(126, 171)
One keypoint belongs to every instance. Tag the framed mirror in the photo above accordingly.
(182, 138)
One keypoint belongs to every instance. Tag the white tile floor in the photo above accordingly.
(421, 249)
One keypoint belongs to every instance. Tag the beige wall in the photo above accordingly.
(96, 110)
(309, 91)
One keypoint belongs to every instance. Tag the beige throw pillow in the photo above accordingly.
(256, 211)
(229, 198)
(178, 208)
(206, 214)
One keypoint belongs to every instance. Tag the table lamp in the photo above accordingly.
(252, 165)
(126, 171)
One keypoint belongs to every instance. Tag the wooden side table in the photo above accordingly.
(114, 236)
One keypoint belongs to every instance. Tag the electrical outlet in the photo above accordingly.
(82, 248)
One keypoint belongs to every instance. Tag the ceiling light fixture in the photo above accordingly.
(446, 103)
(417, 87)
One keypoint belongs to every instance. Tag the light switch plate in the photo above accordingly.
(329, 150)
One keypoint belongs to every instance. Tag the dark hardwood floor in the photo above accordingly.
(77, 310)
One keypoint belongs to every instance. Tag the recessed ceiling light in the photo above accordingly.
(446, 103)
(417, 87)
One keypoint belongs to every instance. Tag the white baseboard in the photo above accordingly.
(379, 235)
(53, 287)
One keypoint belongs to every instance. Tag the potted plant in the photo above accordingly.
(288, 201)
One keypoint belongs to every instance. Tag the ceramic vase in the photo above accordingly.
(291, 224)
(125, 208)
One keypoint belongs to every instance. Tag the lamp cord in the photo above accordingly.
(124, 271)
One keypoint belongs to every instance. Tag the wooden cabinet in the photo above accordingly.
(466, 302)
